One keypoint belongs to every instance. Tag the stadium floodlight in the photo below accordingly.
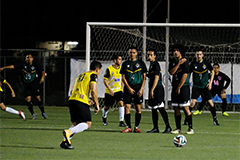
(72, 43)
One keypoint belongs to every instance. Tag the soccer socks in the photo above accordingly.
(78, 128)
(137, 119)
(189, 119)
(178, 121)
(104, 113)
(11, 110)
(164, 116)
(213, 112)
(128, 120)
(201, 105)
(41, 107)
(30, 107)
(224, 104)
(121, 113)
(155, 118)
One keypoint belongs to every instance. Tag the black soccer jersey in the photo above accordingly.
(182, 69)
(154, 69)
(218, 82)
(200, 73)
(133, 71)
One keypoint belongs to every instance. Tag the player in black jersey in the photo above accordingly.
(219, 85)
(30, 82)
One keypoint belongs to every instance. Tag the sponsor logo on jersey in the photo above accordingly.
(204, 66)
(137, 65)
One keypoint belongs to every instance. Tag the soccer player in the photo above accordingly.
(113, 91)
(201, 86)
(218, 88)
(156, 94)
(79, 103)
(134, 77)
(2, 105)
(179, 69)
(30, 82)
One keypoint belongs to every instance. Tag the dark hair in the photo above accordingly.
(180, 47)
(95, 64)
(116, 57)
(153, 50)
(216, 64)
(133, 47)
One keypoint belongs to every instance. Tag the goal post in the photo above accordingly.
(105, 39)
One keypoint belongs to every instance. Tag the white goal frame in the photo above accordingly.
(167, 25)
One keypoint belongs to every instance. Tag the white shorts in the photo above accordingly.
(155, 107)
(181, 104)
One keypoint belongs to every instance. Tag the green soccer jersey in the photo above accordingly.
(28, 71)
(154, 69)
(200, 73)
(133, 71)
(182, 69)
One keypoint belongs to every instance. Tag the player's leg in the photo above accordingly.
(189, 119)
(177, 116)
(41, 106)
(109, 100)
(152, 104)
(119, 99)
(30, 106)
(127, 103)
(224, 104)
(138, 116)
(213, 112)
(11, 110)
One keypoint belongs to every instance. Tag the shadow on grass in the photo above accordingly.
(20, 146)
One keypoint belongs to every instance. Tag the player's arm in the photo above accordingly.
(105, 81)
(7, 67)
(174, 69)
(127, 85)
(140, 92)
(209, 85)
(156, 78)
(183, 79)
(10, 87)
(227, 79)
(94, 94)
(42, 78)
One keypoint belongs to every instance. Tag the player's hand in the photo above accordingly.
(90, 102)
(13, 94)
(182, 61)
(209, 86)
(178, 91)
(131, 91)
(223, 91)
(1, 69)
(42, 80)
(96, 109)
(151, 95)
(111, 92)
(140, 93)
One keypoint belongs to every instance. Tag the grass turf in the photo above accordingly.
(40, 138)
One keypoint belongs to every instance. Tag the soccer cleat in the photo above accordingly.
(121, 124)
(190, 131)
(197, 112)
(65, 145)
(34, 116)
(126, 130)
(176, 131)
(104, 120)
(21, 114)
(67, 133)
(137, 130)
(167, 130)
(225, 114)
(44, 115)
(215, 122)
(154, 130)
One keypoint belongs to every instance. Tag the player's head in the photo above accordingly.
(152, 55)
(132, 52)
(117, 60)
(199, 55)
(178, 50)
(29, 58)
(96, 66)
(216, 67)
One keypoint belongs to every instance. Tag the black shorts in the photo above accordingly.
(183, 99)
(109, 100)
(214, 93)
(31, 89)
(1, 97)
(203, 92)
(158, 95)
(128, 96)
(79, 111)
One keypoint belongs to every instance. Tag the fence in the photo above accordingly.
(57, 66)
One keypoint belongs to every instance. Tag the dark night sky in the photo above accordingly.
(25, 22)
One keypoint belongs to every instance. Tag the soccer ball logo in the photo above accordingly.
(180, 141)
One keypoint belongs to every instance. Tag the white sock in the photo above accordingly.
(79, 128)
(104, 113)
(121, 113)
(11, 110)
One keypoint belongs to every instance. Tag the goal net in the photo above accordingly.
(219, 42)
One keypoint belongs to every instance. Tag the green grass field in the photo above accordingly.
(40, 139)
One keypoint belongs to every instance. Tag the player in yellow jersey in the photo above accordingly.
(2, 105)
(79, 103)
(114, 87)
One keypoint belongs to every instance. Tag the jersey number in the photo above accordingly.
(200, 76)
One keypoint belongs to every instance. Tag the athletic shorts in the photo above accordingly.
(31, 89)
(79, 111)
(1, 97)
(203, 92)
(128, 97)
(214, 93)
(158, 98)
(183, 99)
(109, 100)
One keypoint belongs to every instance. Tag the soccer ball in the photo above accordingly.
(180, 141)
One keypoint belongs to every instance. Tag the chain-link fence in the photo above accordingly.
(57, 66)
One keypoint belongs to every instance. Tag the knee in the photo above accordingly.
(120, 103)
(127, 108)
(138, 109)
(89, 124)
